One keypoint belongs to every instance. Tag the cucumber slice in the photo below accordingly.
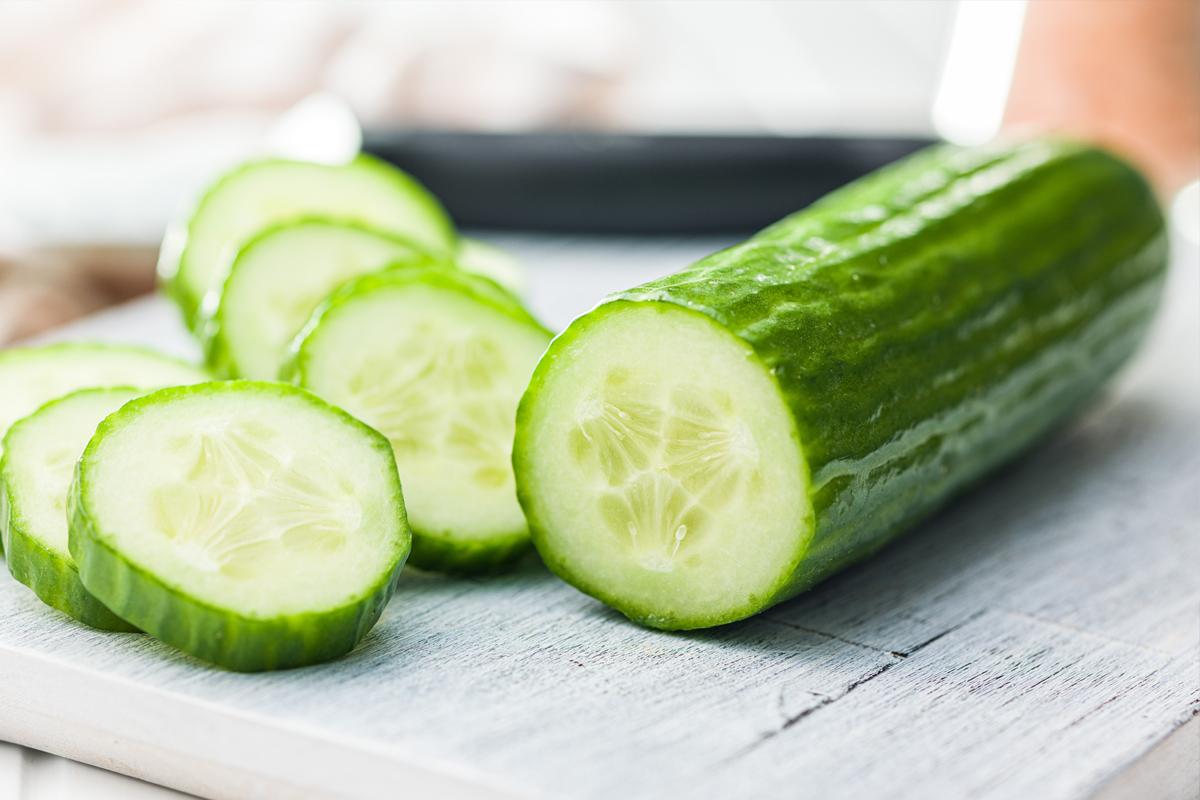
(196, 256)
(662, 466)
(249, 524)
(702, 447)
(435, 359)
(31, 376)
(276, 281)
(40, 452)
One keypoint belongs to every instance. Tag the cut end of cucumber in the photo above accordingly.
(439, 373)
(694, 508)
(256, 499)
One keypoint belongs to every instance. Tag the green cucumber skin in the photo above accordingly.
(451, 557)
(52, 578)
(237, 642)
(433, 550)
(209, 327)
(924, 325)
(172, 261)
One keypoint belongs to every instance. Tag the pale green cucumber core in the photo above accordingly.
(262, 507)
(661, 467)
(440, 375)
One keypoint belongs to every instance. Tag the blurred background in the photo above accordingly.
(114, 112)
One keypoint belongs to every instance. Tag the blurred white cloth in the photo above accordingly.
(120, 65)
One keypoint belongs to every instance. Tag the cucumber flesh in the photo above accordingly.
(279, 278)
(31, 376)
(196, 256)
(40, 452)
(902, 337)
(435, 359)
(677, 484)
(249, 524)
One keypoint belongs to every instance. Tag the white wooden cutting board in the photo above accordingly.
(1038, 639)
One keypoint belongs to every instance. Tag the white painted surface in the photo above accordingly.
(1038, 639)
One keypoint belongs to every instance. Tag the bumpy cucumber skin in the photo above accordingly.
(924, 325)
(433, 550)
(172, 259)
(210, 324)
(54, 579)
(221, 636)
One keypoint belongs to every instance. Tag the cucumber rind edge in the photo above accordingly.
(480, 288)
(38, 350)
(172, 258)
(218, 635)
(210, 315)
(436, 551)
(52, 578)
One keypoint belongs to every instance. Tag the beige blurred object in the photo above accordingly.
(121, 65)
(103, 66)
(47, 287)
(1123, 73)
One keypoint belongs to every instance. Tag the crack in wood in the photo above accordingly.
(826, 635)
(974, 615)
(790, 721)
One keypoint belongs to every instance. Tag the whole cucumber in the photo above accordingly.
(706, 445)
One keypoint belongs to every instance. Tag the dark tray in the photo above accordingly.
(589, 182)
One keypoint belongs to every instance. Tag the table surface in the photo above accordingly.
(1038, 638)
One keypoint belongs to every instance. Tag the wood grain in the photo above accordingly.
(1036, 639)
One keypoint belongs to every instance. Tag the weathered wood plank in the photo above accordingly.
(1035, 638)
(1004, 707)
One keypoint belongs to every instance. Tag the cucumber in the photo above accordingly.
(435, 359)
(31, 376)
(276, 281)
(249, 524)
(40, 452)
(196, 255)
(711, 443)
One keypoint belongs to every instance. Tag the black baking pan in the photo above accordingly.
(592, 182)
